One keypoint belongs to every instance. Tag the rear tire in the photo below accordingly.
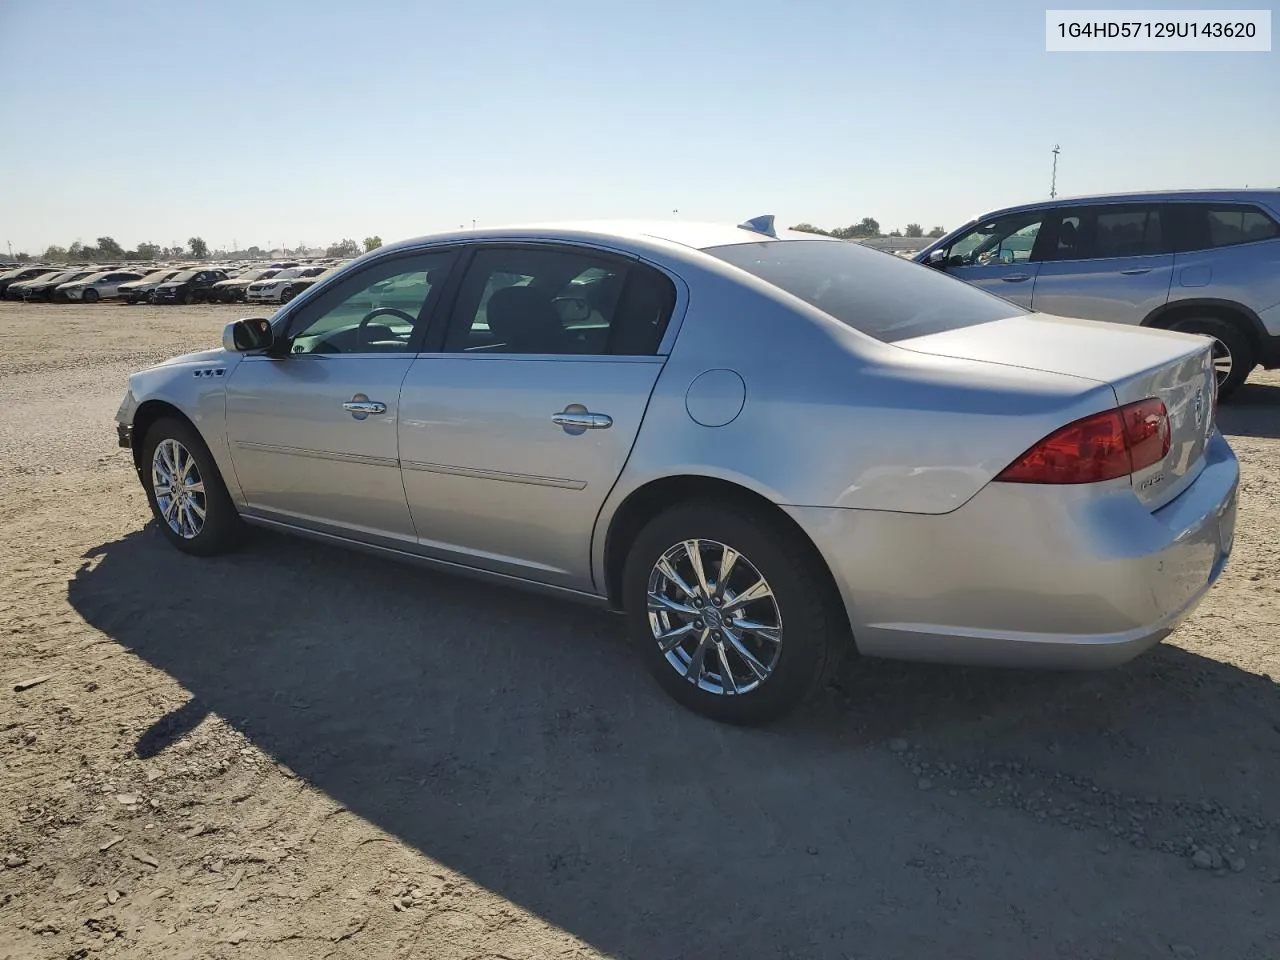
(1233, 354)
(178, 505)
(797, 605)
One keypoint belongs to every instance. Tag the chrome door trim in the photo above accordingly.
(318, 454)
(562, 483)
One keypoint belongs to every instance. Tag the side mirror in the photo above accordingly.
(242, 336)
(937, 258)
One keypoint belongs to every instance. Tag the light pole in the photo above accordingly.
(1053, 183)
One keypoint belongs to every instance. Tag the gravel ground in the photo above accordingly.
(300, 752)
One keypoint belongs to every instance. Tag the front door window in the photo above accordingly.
(1002, 241)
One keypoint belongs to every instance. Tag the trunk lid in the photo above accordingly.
(1137, 362)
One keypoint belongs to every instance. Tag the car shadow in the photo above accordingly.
(1252, 411)
(518, 741)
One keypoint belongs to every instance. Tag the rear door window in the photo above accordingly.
(1108, 231)
(559, 301)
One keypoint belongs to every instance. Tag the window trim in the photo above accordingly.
(286, 321)
(439, 329)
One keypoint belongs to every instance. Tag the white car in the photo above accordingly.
(281, 288)
(98, 286)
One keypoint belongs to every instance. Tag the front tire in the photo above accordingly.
(185, 490)
(91, 296)
(731, 611)
(1233, 354)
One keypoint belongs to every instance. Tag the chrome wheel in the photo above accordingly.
(178, 489)
(714, 617)
(1221, 361)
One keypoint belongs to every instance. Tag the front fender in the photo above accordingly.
(195, 386)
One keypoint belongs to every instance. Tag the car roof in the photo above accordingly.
(693, 234)
(1269, 197)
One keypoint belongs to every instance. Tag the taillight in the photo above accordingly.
(1103, 446)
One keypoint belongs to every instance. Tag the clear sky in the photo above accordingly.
(284, 121)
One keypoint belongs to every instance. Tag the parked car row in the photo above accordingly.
(277, 282)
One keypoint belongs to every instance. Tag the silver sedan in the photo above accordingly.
(764, 448)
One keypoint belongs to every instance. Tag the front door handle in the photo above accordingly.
(1135, 272)
(1016, 277)
(361, 406)
(582, 420)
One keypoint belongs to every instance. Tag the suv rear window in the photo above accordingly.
(1205, 226)
(876, 293)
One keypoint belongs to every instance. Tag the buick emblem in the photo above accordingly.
(1198, 406)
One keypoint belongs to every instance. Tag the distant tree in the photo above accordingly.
(343, 248)
(55, 253)
(22, 257)
(807, 227)
(867, 227)
(76, 251)
(108, 249)
(148, 251)
(255, 251)
(199, 249)
(372, 243)
(173, 252)
(915, 230)
(895, 233)
(937, 232)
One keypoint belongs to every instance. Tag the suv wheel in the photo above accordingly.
(91, 296)
(1233, 354)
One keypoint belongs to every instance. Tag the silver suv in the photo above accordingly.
(1204, 261)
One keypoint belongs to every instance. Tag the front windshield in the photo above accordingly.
(184, 276)
(156, 277)
(876, 293)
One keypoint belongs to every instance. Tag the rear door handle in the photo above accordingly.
(1016, 277)
(583, 421)
(1135, 272)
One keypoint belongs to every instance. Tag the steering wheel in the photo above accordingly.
(381, 312)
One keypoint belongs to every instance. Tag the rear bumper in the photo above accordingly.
(1031, 576)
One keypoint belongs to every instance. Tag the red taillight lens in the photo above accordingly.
(1103, 446)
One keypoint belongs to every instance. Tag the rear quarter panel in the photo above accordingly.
(1248, 273)
(833, 418)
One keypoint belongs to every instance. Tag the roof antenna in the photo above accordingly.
(762, 224)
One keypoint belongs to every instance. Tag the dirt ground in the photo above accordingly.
(299, 752)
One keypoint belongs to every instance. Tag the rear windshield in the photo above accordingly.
(886, 297)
